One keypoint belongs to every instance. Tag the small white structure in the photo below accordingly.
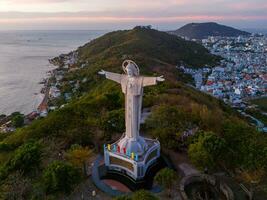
(132, 154)
(54, 92)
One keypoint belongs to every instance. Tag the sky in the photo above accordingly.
(124, 14)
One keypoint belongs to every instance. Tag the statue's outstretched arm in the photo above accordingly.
(112, 76)
(147, 81)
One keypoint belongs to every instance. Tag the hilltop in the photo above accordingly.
(46, 158)
(203, 30)
(143, 43)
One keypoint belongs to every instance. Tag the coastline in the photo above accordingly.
(41, 89)
(24, 63)
(40, 110)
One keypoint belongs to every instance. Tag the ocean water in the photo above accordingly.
(24, 62)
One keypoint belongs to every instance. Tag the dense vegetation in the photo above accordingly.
(166, 178)
(261, 103)
(260, 109)
(36, 157)
(141, 194)
(60, 176)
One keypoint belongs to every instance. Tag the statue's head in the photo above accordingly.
(130, 68)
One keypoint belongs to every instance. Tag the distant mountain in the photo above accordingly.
(203, 30)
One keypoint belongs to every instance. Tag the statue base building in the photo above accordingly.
(130, 163)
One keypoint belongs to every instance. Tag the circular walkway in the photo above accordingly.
(116, 185)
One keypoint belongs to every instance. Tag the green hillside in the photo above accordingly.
(147, 46)
(40, 158)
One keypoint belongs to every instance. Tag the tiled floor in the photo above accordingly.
(116, 185)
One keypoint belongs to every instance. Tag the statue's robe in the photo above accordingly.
(132, 87)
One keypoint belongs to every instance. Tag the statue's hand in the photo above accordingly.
(102, 72)
(160, 79)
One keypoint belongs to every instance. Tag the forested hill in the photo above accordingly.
(203, 30)
(147, 46)
(46, 158)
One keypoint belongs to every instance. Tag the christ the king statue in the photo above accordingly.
(132, 85)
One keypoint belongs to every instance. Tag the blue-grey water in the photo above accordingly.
(24, 62)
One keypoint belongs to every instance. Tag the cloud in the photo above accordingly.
(130, 11)
(124, 16)
(37, 1)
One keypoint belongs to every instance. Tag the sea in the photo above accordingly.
(24, 63)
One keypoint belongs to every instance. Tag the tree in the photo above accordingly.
(207, 150)
(16, 187)
(214, 145)
(26, 157)
(113, 100)
(78, 155)
(166, 178)
(17, 120)
(199, 156)
(166, 123)
(114, 121)
(246, 145)
(2, 116)
(60, 177)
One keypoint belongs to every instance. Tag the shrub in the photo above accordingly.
(166, 178)
(144, 195)
(114, 121)
(17, 120)
(78, 156)
(207, 150)
(166, 123)
(26, 157)
(60, 177)
(123, 197)
(138, 195)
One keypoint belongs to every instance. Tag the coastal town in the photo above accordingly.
(241, 74)
(49, 95)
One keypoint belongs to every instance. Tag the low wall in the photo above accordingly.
(222, 187)
(100, 184)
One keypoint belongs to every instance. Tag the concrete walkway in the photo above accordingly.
(187, 169)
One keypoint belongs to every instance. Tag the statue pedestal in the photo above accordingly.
(134, 165)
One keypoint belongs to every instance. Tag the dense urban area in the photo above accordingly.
(241, 75)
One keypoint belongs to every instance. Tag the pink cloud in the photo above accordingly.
(131, 19)
(247, 5)
(36, 1)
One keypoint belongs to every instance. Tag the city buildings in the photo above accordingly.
(242, 72)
